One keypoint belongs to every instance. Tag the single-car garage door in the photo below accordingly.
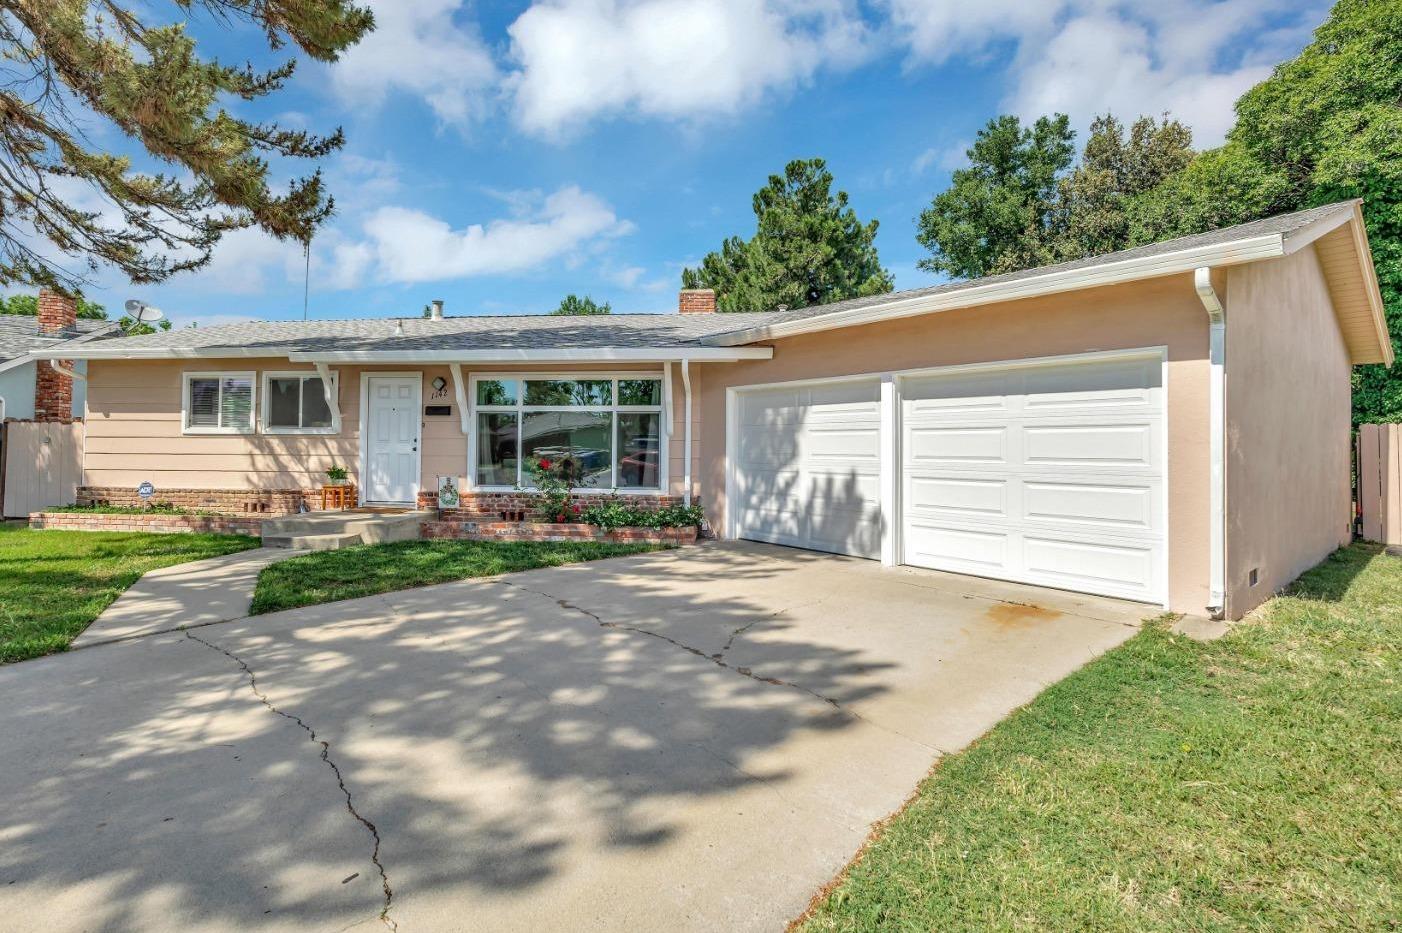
(807, 466)
(1049, 474)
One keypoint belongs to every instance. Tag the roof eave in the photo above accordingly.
(1251, 249)
(552, 355)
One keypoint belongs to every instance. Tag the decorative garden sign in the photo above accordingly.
(448, 497)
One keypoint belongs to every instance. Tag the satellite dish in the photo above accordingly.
(141, 312)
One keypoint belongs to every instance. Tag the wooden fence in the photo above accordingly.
(42, 467)
(1380, 482)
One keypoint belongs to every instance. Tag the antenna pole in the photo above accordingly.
(307, 277)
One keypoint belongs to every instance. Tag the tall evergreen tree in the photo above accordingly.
(809, 248)
(72, 61)
(994, 215)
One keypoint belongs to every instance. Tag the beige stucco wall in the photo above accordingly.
(1159, 312)
(1288, 422)
(134, 429)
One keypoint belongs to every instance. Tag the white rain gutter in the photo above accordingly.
(686, 432)
(1217, 424)
(331, 394)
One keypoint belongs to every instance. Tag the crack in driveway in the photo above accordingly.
(325, 757)
(718, 659)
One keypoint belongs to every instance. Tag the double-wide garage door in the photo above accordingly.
(1048, 473)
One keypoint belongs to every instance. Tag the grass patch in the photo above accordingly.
(327, 576)
(54, 583)
(1251, 783)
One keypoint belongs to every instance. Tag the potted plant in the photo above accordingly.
(336, 475)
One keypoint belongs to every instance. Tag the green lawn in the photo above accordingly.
(327, 576)
(54, 583)
(1251, 783)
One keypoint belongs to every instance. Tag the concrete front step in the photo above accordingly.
(326, 542)
(332, 530)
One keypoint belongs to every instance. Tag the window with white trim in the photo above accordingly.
(612, 426)
(294, 403)
(218, 403)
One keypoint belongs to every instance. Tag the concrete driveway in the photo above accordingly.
(696, 739)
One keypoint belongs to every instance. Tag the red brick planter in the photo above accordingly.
(154, 522)
(547, 531)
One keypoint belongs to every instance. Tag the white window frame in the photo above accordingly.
(520, 409)
(187, 378)
(304, 375)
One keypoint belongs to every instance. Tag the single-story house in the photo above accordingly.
(1167, 424)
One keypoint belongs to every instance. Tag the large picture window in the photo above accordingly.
(218, 403)
(611, 426)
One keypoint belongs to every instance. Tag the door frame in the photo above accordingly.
(365, 378)
(892, 429)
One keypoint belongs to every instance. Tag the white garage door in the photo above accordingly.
(1049, 474)
(807, 465)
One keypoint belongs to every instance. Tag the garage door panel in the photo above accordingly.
(932, 445)
(1093, 385)
(1112, 506)
(959, 548)
(1113, 569)
(956, 393)
(808, 467)
(1124, 444)
(966, 497)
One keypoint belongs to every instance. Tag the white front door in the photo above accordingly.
(392, 439)
(808, 466)
(1051, 473)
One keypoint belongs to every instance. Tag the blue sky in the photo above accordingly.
(501, 155)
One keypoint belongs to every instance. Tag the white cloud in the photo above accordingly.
(414, 246)
(943, 157)
(420, 47)
(1130, 57)
(676, 59)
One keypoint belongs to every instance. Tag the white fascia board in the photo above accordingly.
(1297, 240)
(1268, 246)
(639, 354)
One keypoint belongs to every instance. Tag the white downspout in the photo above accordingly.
(686, 432)
(1217, 426)
(64, 371)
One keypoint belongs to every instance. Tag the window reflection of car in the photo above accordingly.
(639, 468)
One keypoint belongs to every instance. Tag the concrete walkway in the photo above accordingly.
(688, 740)
(196, 593)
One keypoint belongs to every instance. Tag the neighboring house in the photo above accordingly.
(1167, 424)
(30, 390)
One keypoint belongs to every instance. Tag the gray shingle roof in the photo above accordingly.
(19, 333)
(545, 332)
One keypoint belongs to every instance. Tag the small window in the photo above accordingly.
(640, 392)
(497, 392)
(296, 403)
(219, 403)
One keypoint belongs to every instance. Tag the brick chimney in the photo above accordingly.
(697, 301)
(56, 311)
(53, 391)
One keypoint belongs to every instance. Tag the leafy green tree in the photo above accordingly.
(75, 64)
(132, 329)
(1095, 204)
(29, 304)
(809, 248)
(573, 304)
(994, 216)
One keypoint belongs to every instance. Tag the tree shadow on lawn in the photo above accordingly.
(491, 734)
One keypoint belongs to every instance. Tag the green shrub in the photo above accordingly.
(617, 513)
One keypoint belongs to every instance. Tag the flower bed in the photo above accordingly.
(162, 521)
